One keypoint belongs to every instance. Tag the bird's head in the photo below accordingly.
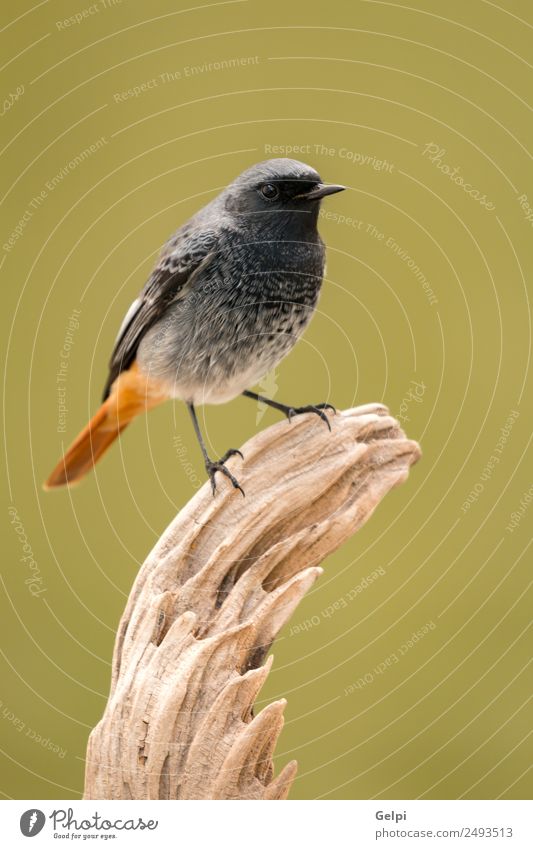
(284, 192)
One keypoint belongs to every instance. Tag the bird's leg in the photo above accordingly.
(212, 466)
(293, 411)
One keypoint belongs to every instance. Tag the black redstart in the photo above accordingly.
(233, 290)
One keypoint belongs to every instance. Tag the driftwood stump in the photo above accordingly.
(212, 596)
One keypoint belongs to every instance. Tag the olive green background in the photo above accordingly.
(353, 81)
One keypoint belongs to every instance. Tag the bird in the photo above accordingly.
(230, 295)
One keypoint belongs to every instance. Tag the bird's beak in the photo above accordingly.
(320, 191)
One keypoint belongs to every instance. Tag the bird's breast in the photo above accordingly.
(243, 315)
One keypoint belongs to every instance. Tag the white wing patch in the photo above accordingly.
(128, 317)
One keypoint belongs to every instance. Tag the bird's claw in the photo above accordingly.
(312, 408)
(213, 467)
(231, 452)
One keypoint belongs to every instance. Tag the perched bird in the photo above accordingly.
(233, 290)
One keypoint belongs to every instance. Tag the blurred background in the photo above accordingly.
(406, 667)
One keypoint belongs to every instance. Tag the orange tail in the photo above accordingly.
(130, 395)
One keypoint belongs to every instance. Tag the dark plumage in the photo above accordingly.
(233, 290)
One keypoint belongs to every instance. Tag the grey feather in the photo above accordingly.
(233, 290)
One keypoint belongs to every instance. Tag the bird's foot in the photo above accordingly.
(212, 467)
(311, 408)
(231, 453)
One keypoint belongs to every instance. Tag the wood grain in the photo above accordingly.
(211, 597)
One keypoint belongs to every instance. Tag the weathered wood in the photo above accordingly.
(212, 596)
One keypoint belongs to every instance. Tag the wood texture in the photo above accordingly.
(212, 596)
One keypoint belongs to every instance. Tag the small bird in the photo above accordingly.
(233, 290)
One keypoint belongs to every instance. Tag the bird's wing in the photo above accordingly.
(180, 262)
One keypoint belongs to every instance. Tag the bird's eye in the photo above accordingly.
(269, 191)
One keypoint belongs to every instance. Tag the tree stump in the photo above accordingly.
(210, 599)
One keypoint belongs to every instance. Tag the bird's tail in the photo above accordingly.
(130, 395)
